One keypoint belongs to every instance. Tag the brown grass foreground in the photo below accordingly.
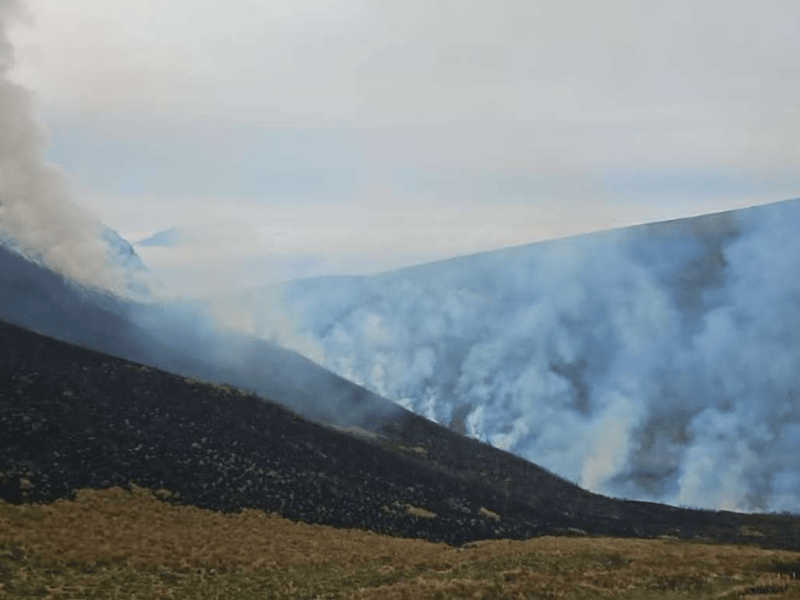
(117, 544)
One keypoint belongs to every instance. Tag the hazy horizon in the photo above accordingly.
(330, 137)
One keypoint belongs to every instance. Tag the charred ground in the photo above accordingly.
(72, 418)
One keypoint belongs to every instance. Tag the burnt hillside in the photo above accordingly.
(73, 418)
(40, 300)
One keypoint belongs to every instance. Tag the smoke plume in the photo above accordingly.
(656, 362)
(37, 215)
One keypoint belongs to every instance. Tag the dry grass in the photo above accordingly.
(115, 544)
(381, 440)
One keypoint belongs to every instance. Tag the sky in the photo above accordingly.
(289, 139)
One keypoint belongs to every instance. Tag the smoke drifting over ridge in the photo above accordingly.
(37, 216)
(43, 232)
(658, 362)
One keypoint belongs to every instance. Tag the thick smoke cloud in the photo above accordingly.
(657, 362)
(37, 216)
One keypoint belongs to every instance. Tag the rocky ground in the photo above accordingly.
(71, 418)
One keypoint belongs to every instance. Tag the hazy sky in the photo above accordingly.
(325, 135)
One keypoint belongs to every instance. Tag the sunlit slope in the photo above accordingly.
(656, 362)
(115, 544)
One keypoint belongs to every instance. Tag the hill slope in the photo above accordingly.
(654, 362)
(73, 418)
(176, 340)
(113, 544)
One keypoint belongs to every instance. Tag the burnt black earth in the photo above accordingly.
(73, 418)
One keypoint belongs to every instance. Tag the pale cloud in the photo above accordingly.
(544, 85)
(377, 223)
(230, 243)
(344, 135)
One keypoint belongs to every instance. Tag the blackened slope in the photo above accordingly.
(42, 301)
(474, 461)
(72, 418)
(524, 484)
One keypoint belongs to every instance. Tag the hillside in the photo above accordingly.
(74, 418)
(115, 544)
(176, 340)
(655, 362)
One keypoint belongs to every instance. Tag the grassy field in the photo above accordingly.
(118, 544)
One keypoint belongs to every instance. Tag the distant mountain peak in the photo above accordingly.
(171, 237)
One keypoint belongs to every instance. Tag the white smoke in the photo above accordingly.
(37, 215)
(657, 362)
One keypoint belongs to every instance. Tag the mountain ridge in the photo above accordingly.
(674, 335)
